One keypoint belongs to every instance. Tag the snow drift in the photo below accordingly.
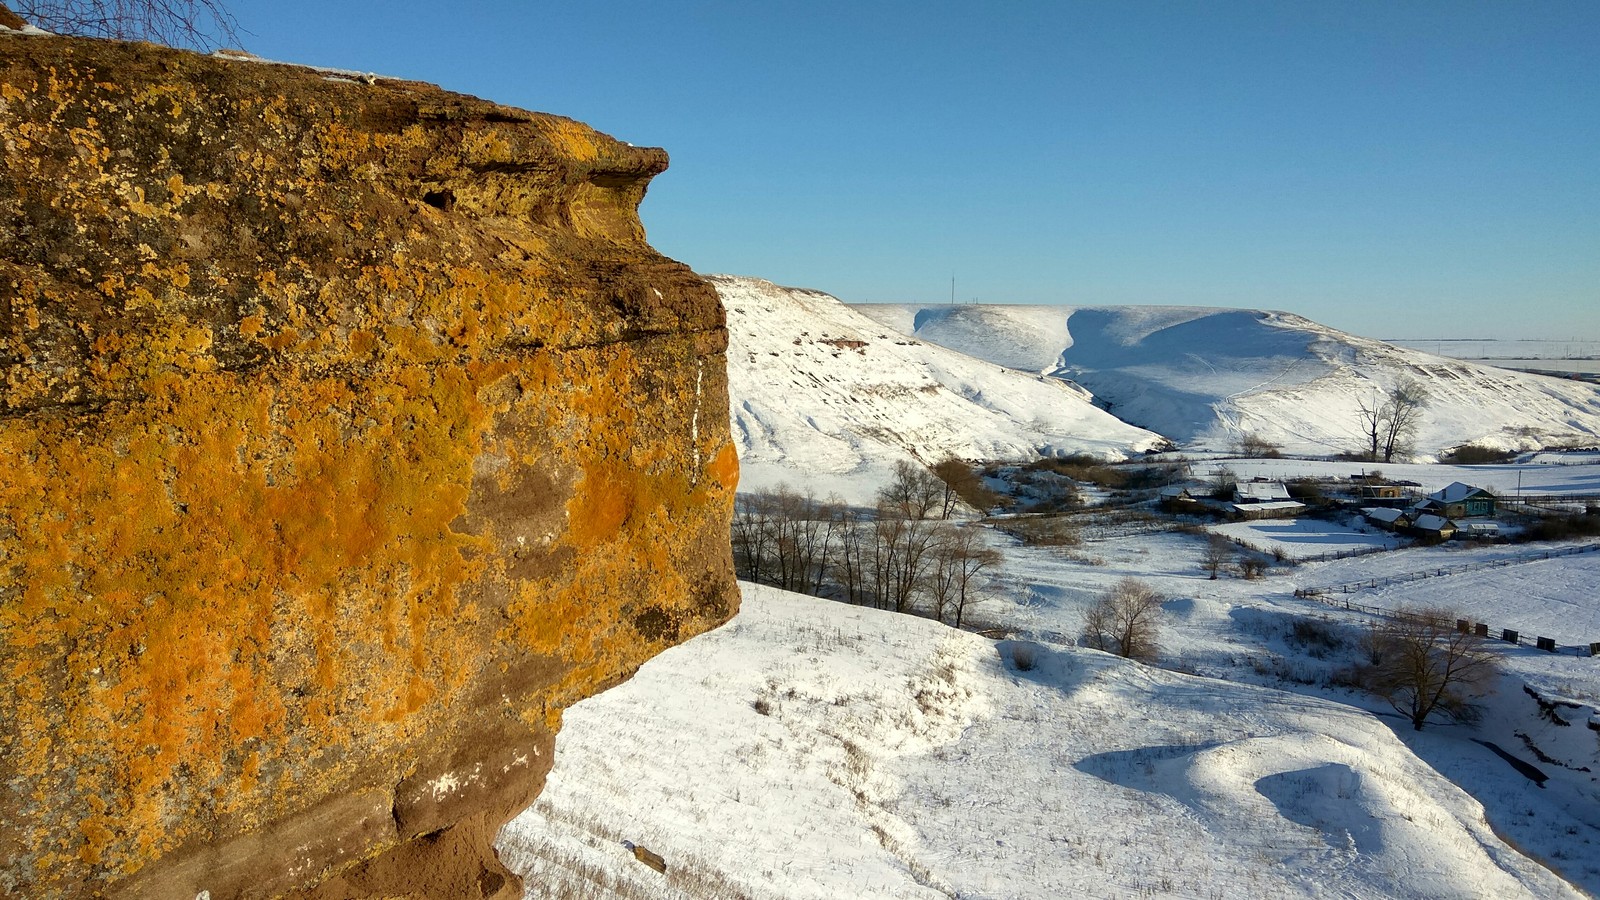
(815, 749)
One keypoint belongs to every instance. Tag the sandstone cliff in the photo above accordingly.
(348, 433)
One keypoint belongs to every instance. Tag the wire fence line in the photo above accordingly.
(1338, 594)
(1096, 533)
(1365, 584)
(1345, 554)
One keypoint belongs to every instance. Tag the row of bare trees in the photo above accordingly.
(902, 555)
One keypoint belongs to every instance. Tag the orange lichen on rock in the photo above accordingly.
(347, 434)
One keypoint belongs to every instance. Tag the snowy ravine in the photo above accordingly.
(825, 399)
(1205, 377)
(815, 749)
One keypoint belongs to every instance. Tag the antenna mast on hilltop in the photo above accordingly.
(952, 289)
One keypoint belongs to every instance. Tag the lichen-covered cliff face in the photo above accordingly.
(348, 433)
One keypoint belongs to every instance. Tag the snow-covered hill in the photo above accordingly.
(823, 397)
(1205, 377)
(814, 749)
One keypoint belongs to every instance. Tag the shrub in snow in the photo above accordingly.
(1022, 656)
(1125, 620)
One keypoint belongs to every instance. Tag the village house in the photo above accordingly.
(1272, 509)
(1387, 517)
(1432, 527)
(1379, 491)
(1460, 501)
(1263, 500)
(1259, 492)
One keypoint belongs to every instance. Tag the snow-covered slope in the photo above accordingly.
(1204, 377)
(823, 397)
(814, 749)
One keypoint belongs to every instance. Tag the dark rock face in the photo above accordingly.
(348, 433)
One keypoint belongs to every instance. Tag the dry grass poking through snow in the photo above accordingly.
(579, 858)
(815, 750)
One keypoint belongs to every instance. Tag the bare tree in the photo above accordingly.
(1216, 555)
(891, 559)
(203, 24)
(1388, 421)
(1370, 413)
(901, 545)
(1423, 663)
(972, 561)
(915, 492)
(1224, 482)
(785, 538)
(850, 568)
(1405, 402)
(752, 535)
(939, 584)
(1125, 620)
(957, 565)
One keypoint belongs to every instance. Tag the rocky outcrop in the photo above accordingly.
(349, 431)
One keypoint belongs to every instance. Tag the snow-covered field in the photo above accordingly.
(1299, 539)
(1554, 598)
(813, 749)
(1206, 377)
(1236, 630)
(826, 399)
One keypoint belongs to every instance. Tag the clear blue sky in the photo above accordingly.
(1402, 170)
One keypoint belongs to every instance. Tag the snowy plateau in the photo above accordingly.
(814, 749)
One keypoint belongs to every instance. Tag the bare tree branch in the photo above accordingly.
(201, 24)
